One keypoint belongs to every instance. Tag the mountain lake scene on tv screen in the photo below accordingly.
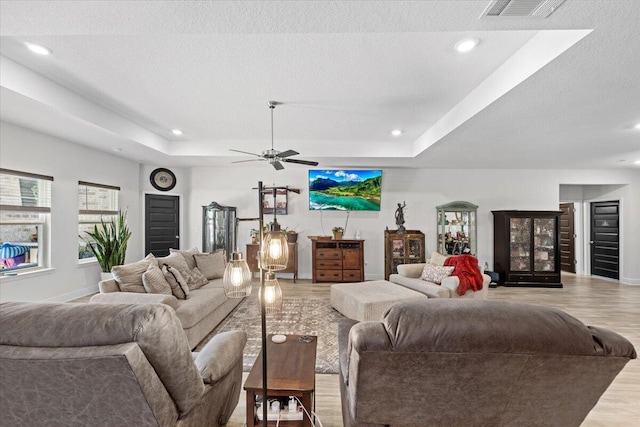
(345, 190)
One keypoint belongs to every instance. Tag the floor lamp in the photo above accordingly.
(272, 255)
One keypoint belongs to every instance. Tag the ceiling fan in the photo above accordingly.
(273, 156)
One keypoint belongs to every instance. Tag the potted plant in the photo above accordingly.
(292, 235)
(337, 232)
(255, 235)
(108, 242)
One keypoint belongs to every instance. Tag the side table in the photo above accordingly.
(291, 370)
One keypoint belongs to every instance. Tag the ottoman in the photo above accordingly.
(369, 300)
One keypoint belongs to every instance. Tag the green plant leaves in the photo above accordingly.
(108, 242)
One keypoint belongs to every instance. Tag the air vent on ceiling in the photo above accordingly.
(534, 8)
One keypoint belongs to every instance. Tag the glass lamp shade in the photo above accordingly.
(272, 293)
(275, 251)
(237, 277)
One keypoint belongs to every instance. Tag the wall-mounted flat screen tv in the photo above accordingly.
(344, 190)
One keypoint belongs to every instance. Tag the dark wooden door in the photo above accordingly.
(567, 238)
(605, 239)
(162, 224)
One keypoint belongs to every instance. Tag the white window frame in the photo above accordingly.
(100, 213)
(39, 205)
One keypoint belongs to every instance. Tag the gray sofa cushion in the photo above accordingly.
(515, 328)
(202, 300)
(154, 282)
(174, 260)
(129, 276)
(211, 265)
(187, 255)
(179, 286)
(83, 325)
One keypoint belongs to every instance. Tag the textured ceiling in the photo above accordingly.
(536, 93)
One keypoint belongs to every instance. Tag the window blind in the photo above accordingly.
(24, 192)
(97, 199)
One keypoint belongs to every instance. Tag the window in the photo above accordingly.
(25, 210)
(96, 203)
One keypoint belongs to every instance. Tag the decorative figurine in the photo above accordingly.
(400, 218)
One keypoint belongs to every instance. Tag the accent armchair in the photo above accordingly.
(450, 362)
(107, 365)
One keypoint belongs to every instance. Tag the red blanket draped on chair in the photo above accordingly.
(466, 269)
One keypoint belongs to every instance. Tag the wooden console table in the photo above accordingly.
(337, 260)
(291, 371)
(292, 263)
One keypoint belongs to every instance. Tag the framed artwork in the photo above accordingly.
(414, 248)
(398, 248)
(280, 202)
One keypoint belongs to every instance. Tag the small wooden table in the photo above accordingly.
(291, 370)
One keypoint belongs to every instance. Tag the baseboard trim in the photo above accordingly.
(632, 282)
(83, 292)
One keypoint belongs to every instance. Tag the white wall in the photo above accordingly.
(181, 190)
(25, 150)
(422, 189)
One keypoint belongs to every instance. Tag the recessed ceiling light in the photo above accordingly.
(637, 126)
(637, 162)
(465, 45)
(396, 132)
(39, 49)
(176, 132)
(117, 150)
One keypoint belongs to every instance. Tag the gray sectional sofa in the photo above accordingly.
(203, 309)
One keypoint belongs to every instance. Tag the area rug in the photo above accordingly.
(299, 316)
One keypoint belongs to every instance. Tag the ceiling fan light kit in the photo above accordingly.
(273, 156)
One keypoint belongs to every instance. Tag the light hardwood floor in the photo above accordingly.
(593, 301)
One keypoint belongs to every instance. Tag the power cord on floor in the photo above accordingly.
(308, 415)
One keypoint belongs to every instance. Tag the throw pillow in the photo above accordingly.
(179, 287)
(211, 265)
(437, 258)
(129, 276)
(435, 273)
(195, 279)
(152, 259)
(154, 282)
(174, 260)
(187, 255)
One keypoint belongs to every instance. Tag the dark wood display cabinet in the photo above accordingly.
(526, 248)
(337, 260)
(405, 248)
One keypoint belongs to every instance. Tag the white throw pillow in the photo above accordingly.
(435, 273)
(437, 258)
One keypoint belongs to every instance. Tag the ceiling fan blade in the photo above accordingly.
(252, 160)
(287, 153)
(245, 152)
(301, 162)
(278, 166)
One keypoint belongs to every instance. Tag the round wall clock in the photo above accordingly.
(163, 179)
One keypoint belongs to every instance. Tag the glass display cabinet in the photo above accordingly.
(218, 228)
(402, 248)
(526, 249)
(457, 228)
